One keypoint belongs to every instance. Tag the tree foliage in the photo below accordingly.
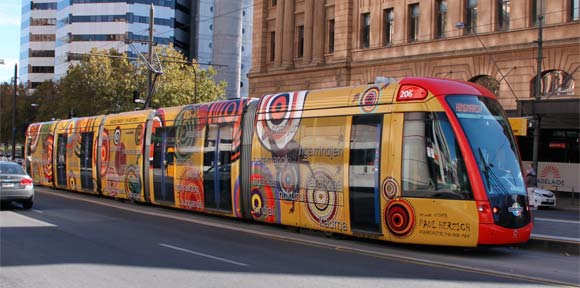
(105, 80)
(6, 109)
(183, 82)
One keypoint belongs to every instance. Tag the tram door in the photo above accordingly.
(217, 166)
(86, 157)
(364, 173)
(61, 160)
(164, 164)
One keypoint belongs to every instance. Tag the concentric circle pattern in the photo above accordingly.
(279, 118)
(264, 205)
(370, 98)
(288, 181)
(390, 188)
(400, 218)
(105, 152)
(322, 202)
(132, 182)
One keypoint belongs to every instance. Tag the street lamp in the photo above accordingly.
(14, 112)
(1, 63)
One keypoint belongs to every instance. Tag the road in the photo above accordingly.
(557, 224)
(74, 240)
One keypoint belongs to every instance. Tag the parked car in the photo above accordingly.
(15, 185)
(542, 198)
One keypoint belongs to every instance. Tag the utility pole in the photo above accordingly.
(150, 56)
(14, 112)
(538, 94)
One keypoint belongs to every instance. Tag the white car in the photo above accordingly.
(542, 198)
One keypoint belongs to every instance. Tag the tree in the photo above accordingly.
(102, 83)
(183, 82)
(41, 103)
(6, 106)
(105, 80)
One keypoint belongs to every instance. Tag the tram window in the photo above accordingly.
(433, 166)
(225, 146)
(210, 147)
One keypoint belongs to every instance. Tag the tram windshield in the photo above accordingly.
(492, 142)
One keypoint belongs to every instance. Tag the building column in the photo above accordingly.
(308, 22)
(288, 51)
(319, 26)
(279, 32)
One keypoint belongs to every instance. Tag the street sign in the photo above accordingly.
(519, 126)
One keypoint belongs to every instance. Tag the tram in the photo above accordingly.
(420, 160)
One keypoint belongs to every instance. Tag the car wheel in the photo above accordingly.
(27, 204)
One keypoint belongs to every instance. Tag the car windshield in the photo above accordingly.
(11, 168)
(492, 143)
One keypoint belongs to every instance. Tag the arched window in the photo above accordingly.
(554, 83)
(488, 82)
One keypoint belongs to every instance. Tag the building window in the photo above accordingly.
(42, 21)
(503, 14)
(42, 37)
(273, 3)
(574, 10)
(441, 18)
(365, 30)
(536, 7)
(43, 6)
(389, 26)
(555, 83)
(471, 16)
(42, 69)
(41, 53)
(413, 22)
(300, 41)
(272, 46)
(331, 36)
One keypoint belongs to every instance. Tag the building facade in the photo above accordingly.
(55, 34)
(223, 37)
(37, 42)
(336, 43)
(310, 44)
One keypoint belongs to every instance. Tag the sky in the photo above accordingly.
(10, 35)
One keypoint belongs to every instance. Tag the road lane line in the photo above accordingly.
(557, 220)
(203, 255)
(37, 211)
(9, 219)
(553, 237)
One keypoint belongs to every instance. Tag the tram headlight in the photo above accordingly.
(483, 208)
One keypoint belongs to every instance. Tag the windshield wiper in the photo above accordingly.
(486, 168)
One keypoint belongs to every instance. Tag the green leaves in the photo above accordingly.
(105, 80)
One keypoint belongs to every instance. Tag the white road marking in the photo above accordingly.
(203, 255)
(557, 220)
(37, 211)
(552, 237)
(11, 219)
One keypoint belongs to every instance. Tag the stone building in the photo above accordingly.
(309, 44)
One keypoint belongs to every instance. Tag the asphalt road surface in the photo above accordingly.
(75, 240)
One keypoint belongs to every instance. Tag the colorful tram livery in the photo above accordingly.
(425, 161)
